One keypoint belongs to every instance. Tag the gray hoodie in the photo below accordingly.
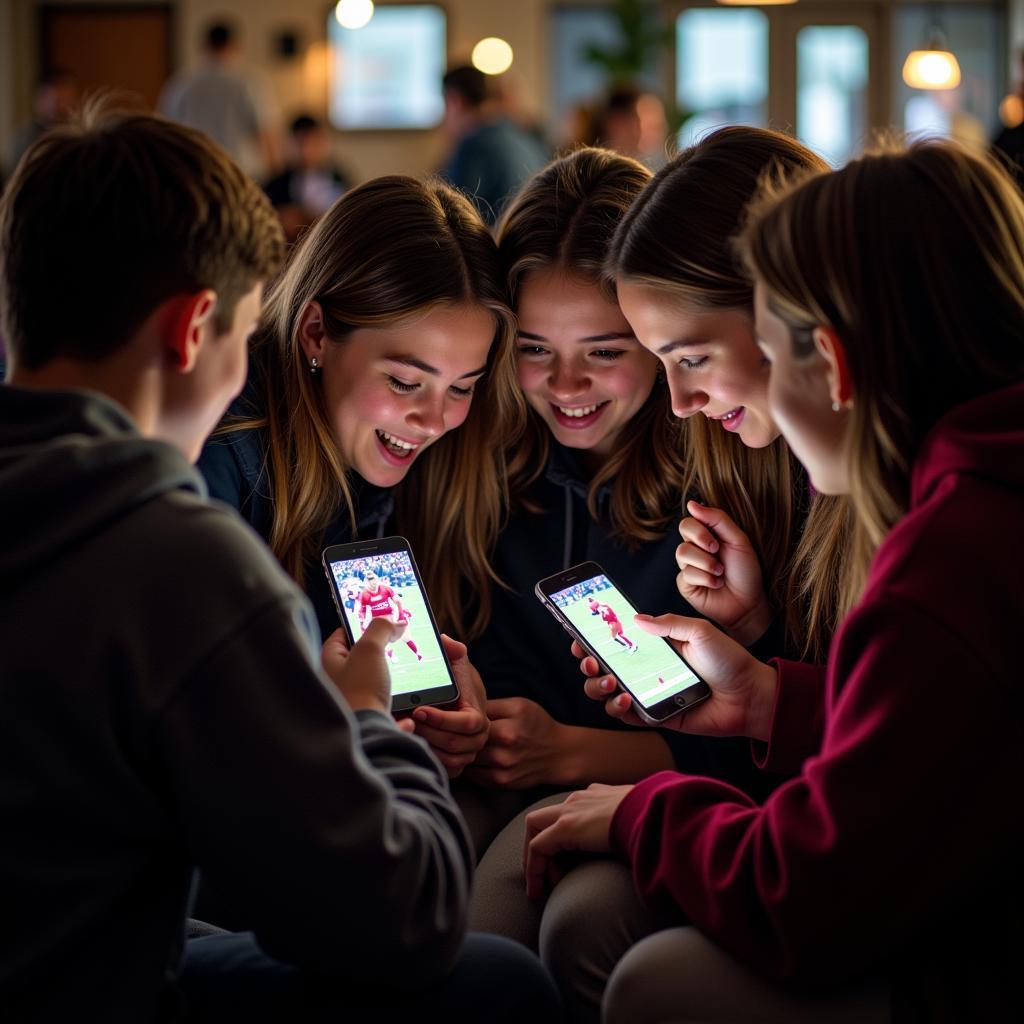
(161, 708)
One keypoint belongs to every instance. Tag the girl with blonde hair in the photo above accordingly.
(884, 876)
(381, 399)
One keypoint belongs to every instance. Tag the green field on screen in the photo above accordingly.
(653, 672)
(408, 674)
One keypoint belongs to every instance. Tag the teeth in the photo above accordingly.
(730, 415)
(396, 442)
(577, 413)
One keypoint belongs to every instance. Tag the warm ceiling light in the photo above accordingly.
(492, 56)
(353, 13)
(1011, 111)
(755, 3)
(931, 69)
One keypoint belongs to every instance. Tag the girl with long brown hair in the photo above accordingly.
(889, 300)
(751, 554)
(598, 474)
(382, 397)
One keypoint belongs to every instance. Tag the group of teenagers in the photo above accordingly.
(781, 406)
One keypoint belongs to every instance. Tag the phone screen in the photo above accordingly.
(650, 669)
(386, 584)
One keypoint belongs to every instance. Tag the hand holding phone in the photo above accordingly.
(595, 612)
(378, 579)
(742, 688)
(360, 671)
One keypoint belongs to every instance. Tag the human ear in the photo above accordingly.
(840, 380)
(311, 332)
(189, 316)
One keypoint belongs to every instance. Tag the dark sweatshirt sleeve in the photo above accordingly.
(336, 831)
(860, 853)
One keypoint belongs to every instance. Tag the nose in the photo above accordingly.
(426, 417)
(567, 380)
(685, 400)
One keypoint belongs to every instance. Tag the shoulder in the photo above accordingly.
(210, 572)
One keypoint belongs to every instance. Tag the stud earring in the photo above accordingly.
(835, 405)
(314, 366)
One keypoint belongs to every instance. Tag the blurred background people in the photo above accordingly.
(311, 180)
(55, 96)
(490, 154)
(632, 123)
(219, 99)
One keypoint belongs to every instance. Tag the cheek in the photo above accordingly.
(531, 376)
(632, 379)
(457, 413)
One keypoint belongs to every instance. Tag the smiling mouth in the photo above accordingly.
(397, 446)
(728, 417)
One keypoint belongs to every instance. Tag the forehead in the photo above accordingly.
(454, 339)
(553, 302)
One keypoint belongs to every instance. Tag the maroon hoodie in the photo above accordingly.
(897, 851)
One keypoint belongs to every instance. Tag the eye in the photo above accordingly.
(462, 392)
(608, 353)
(693, 364)
(532, 350)
(400, 386)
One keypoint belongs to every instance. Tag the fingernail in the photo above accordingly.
(640, 617)
(420, 715)
(719, 569)
(607, 684)
(622, 701)
(713, 546)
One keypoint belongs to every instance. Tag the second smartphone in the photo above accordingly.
(600, 617)
(373, 578)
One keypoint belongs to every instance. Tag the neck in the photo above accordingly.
(133, 388)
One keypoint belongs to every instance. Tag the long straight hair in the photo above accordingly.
(386, 253)
(915, 257)
(677, 238)
(564, 218)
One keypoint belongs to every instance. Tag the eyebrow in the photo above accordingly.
(681, 343)
(418, 364)
(589, 340)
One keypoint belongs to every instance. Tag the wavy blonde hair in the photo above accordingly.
(564, 218)
(389, 252)
(677, 238)
(915, 258)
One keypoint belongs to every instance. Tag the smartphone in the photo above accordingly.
(593, 610)
(375, 578)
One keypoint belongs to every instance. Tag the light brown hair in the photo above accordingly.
(110, 215)
(564, 218)
(915, 257)
(388, 252)
(677, 237)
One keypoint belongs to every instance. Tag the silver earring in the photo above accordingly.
(835, 405)
(314, 366)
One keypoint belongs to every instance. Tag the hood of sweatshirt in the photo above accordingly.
(71, 463)
(983, 437)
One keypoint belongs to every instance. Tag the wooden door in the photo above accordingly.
(127, 48)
